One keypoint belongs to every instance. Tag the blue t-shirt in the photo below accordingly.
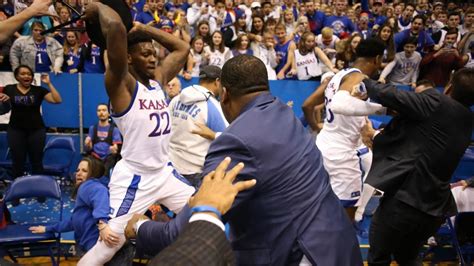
(73, 58)
(282, 52)
(42, 61)
(339, 24)
(95, 63)
(101, 148)
(316, 21)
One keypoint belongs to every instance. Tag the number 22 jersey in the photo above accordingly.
(145, 126)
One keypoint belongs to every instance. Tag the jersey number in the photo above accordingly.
(329, 113)
(307, 72)
(157, 131)
(39, 58)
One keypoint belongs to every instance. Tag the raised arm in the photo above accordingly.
(118, 83)
(173, 62)
(11, 25)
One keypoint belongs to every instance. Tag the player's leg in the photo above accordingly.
(176, 191)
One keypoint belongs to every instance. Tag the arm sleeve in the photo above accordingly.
(414, 105)
(63, 226)
(15, 53)
(152, 236)
(215, 120)
(100, 202)
(388, 68)
(229, 145)
(116, 137)
(343, 103)
(91, 131)
(416, 72)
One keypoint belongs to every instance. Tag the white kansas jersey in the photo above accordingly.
(307, 66)
(339, 131)
(146, 127)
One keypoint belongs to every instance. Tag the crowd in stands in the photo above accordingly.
(295, 39)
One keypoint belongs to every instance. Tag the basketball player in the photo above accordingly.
(340, 139)
(139, 109)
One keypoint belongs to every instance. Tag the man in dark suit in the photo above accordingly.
(292, 215)
(413, 160)
(203, 240)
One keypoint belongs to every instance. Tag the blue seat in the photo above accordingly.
(15, 238)
(462, 234)
(61, 164)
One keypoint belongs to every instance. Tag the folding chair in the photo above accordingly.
(61, 164)
(15, 237)
(462, 234)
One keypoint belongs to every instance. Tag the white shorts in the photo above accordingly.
(347, 170)
(132, 192)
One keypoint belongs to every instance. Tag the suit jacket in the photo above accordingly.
(292, 210)
(201, 243)
(416, 154)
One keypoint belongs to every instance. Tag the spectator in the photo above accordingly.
(269, 11)
(306, 60)
(289, 21)
(290, 6)
(91, 205)
(196, 59)
(218, 53)
(438, 65)
(340, 24)
(453, 23)
(422, 7)
(182, 29)
(468, 38)
(72, 52)
(64, 16)
(203, 30)
(40, 53)
(26, 130)
(173, 89)
(270, 25)
(265, 51)
(282, 48)
(302, 26)
(187, 149)
(242, 45)
(104, 139)
(46, 21)
(315, 17)
(443, 18)
(405, 68)
(468, 21)
(347, 53)
(257, 26)
(385, 34)
(327, 41)
(199, 11)
(363, 26)
(376, 18)
(405, 20)
(154, 14)
(393, 24)
(425, 43)
(240, 26)
(91, 59)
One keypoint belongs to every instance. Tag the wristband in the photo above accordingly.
(204, 208)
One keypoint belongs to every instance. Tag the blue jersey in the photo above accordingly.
(339, 24)
(282, 52)
(72, 60)
(145, 17)
(95, 63)
(42, 61)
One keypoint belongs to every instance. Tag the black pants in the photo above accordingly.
(26, 142)
(400, 230)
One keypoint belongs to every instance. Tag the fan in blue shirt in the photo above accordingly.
(91, 210)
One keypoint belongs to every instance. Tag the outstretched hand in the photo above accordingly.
(217, 188)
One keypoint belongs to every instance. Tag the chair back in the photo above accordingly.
(33, 186)
(65, 143)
